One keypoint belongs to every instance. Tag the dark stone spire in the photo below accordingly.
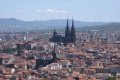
(72, 22)
(67, 34)
(67, 23)
(54, 48)
(54, 53)
(73, 37)
(54, 35)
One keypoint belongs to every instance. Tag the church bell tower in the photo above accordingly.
(67, 34)
(73, 37)
(54, 53)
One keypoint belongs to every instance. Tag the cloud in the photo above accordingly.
(56, 11)
(61, 11)
(39, 11)
(50, 10)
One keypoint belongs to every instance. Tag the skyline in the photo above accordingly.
(82, 10)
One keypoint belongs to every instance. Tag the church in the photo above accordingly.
(44, 62)
(69, 35)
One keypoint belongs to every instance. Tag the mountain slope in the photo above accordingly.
(13, 24)
(106, 27)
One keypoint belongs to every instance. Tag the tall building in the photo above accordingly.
(69, 36)
(44, 62)
(73, 37)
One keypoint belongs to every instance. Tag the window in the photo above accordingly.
(6, 61)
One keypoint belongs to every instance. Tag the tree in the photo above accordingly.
(111, 78)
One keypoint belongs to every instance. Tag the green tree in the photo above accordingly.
(111, 78)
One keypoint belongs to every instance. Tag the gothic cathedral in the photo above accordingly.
(69, 35)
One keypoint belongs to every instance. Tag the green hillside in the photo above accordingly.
(106, 27)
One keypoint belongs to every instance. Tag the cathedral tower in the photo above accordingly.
(67, 34)
(54, 53)
(73, 37)
(54, 35)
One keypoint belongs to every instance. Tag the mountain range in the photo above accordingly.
(13, 24)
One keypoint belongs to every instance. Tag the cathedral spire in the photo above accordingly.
(54, 53)
(54, 35)
(73, 38)
(67, 34)
(67, 23)
(54, 48)
(55, 31)
(72, 22)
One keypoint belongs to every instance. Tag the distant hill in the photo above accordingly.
(13, 24)
(105, 27)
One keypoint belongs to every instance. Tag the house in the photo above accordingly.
(61, 55)
(44, 70)
(23, 65)
(65, 63)
(8, 70)
(118, 76)
(32, 64)
(54, 66)
(6, 59)
(103, 76)
(114, 69)
(97, 63)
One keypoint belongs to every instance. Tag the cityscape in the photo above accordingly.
(56, 44)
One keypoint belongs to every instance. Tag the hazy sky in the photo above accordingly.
(83, 10)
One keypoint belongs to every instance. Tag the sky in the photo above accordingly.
(82, 10)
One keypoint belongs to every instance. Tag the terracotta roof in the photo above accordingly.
(97, 67)
(20, 43)
(7, 76)
(5, 57)
(65, 60)
(33, 61)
